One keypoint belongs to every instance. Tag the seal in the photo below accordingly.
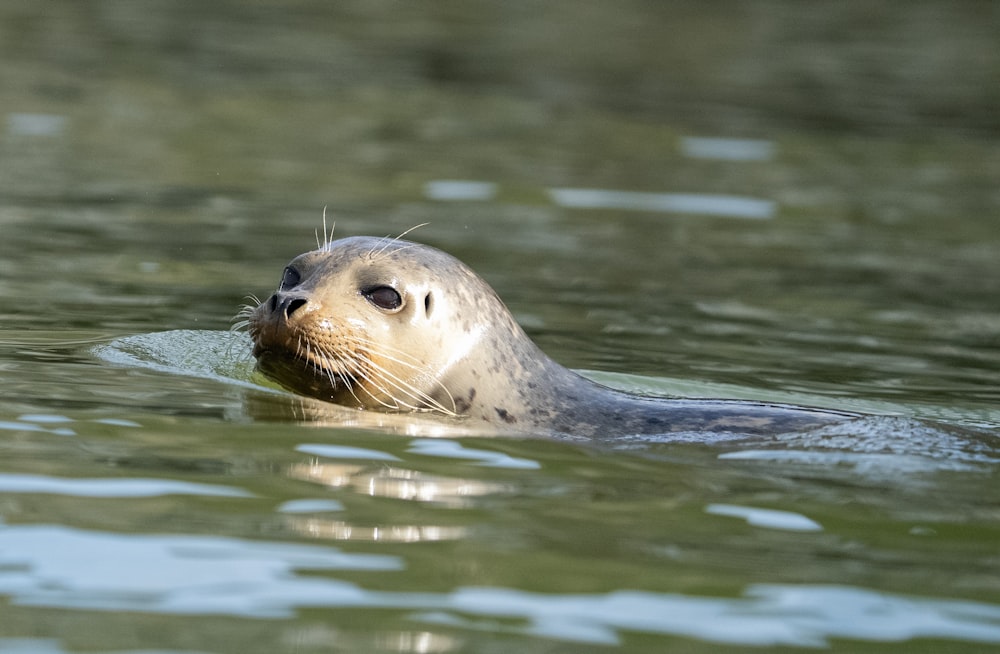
(392, 325)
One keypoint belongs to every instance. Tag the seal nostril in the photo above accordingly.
(293, 306)
(286, 304)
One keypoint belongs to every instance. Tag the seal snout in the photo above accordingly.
(285, 304)
(272, 323)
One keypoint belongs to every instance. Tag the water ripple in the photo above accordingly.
(731, 206)
(55, 566)
(26, 483)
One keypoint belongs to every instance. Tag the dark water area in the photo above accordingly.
(773, 201)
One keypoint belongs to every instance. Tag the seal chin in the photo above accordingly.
(301, 375)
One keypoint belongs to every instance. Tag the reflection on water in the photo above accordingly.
(50, 565)
(805, 616)
(345, 452)
(727, 149)
(456, 189)
(770, 518)
(323, 529)
(27, 424)
(32, 646)
(397, 483)
(690, 203)
(35, 124)
(104, 487)
(412, 641)
(448, 449)
(310, 506)
(704, 204)
(418, 642)
(60, 567)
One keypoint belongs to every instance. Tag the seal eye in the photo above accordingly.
(384, 297)
(290, 278)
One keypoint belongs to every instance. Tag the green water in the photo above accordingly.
(158, 164)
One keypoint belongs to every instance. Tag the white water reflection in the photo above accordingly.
(53, 646)
(110, 487)
(450, 449)
(31, 124)
(49, 565)
(55, 566)
(345, 452)
(730, 206)
(768, 518)
(396, 483)
(727, 149)
(383, 481)
(30, 646)
(421, 642)
(325, 529)
(765, 615)
(25, 424)
(458, 189)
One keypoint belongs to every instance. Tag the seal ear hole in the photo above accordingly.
(427, 305)
(383, 297)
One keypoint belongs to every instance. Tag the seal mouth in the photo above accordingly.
(292, 357)
(301, 374)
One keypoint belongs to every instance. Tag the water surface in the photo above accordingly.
(763, 202)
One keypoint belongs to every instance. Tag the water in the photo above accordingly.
(768, 202)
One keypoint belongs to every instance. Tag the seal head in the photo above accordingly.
(364, 322)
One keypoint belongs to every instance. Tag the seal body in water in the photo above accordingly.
(387, 324)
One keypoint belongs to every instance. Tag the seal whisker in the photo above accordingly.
(338, 369)
(395, 405)
(420, 398)
(244, 315)
(336, 372)
(305, 353)
(246, 310)
(394, 354)
(390, 353)
(390, 381)
(397, 250)
(363, 368)
(327, 238)
(351, 381)
(415, 227)
(364, 375)
(414, 392)
(388, 241)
